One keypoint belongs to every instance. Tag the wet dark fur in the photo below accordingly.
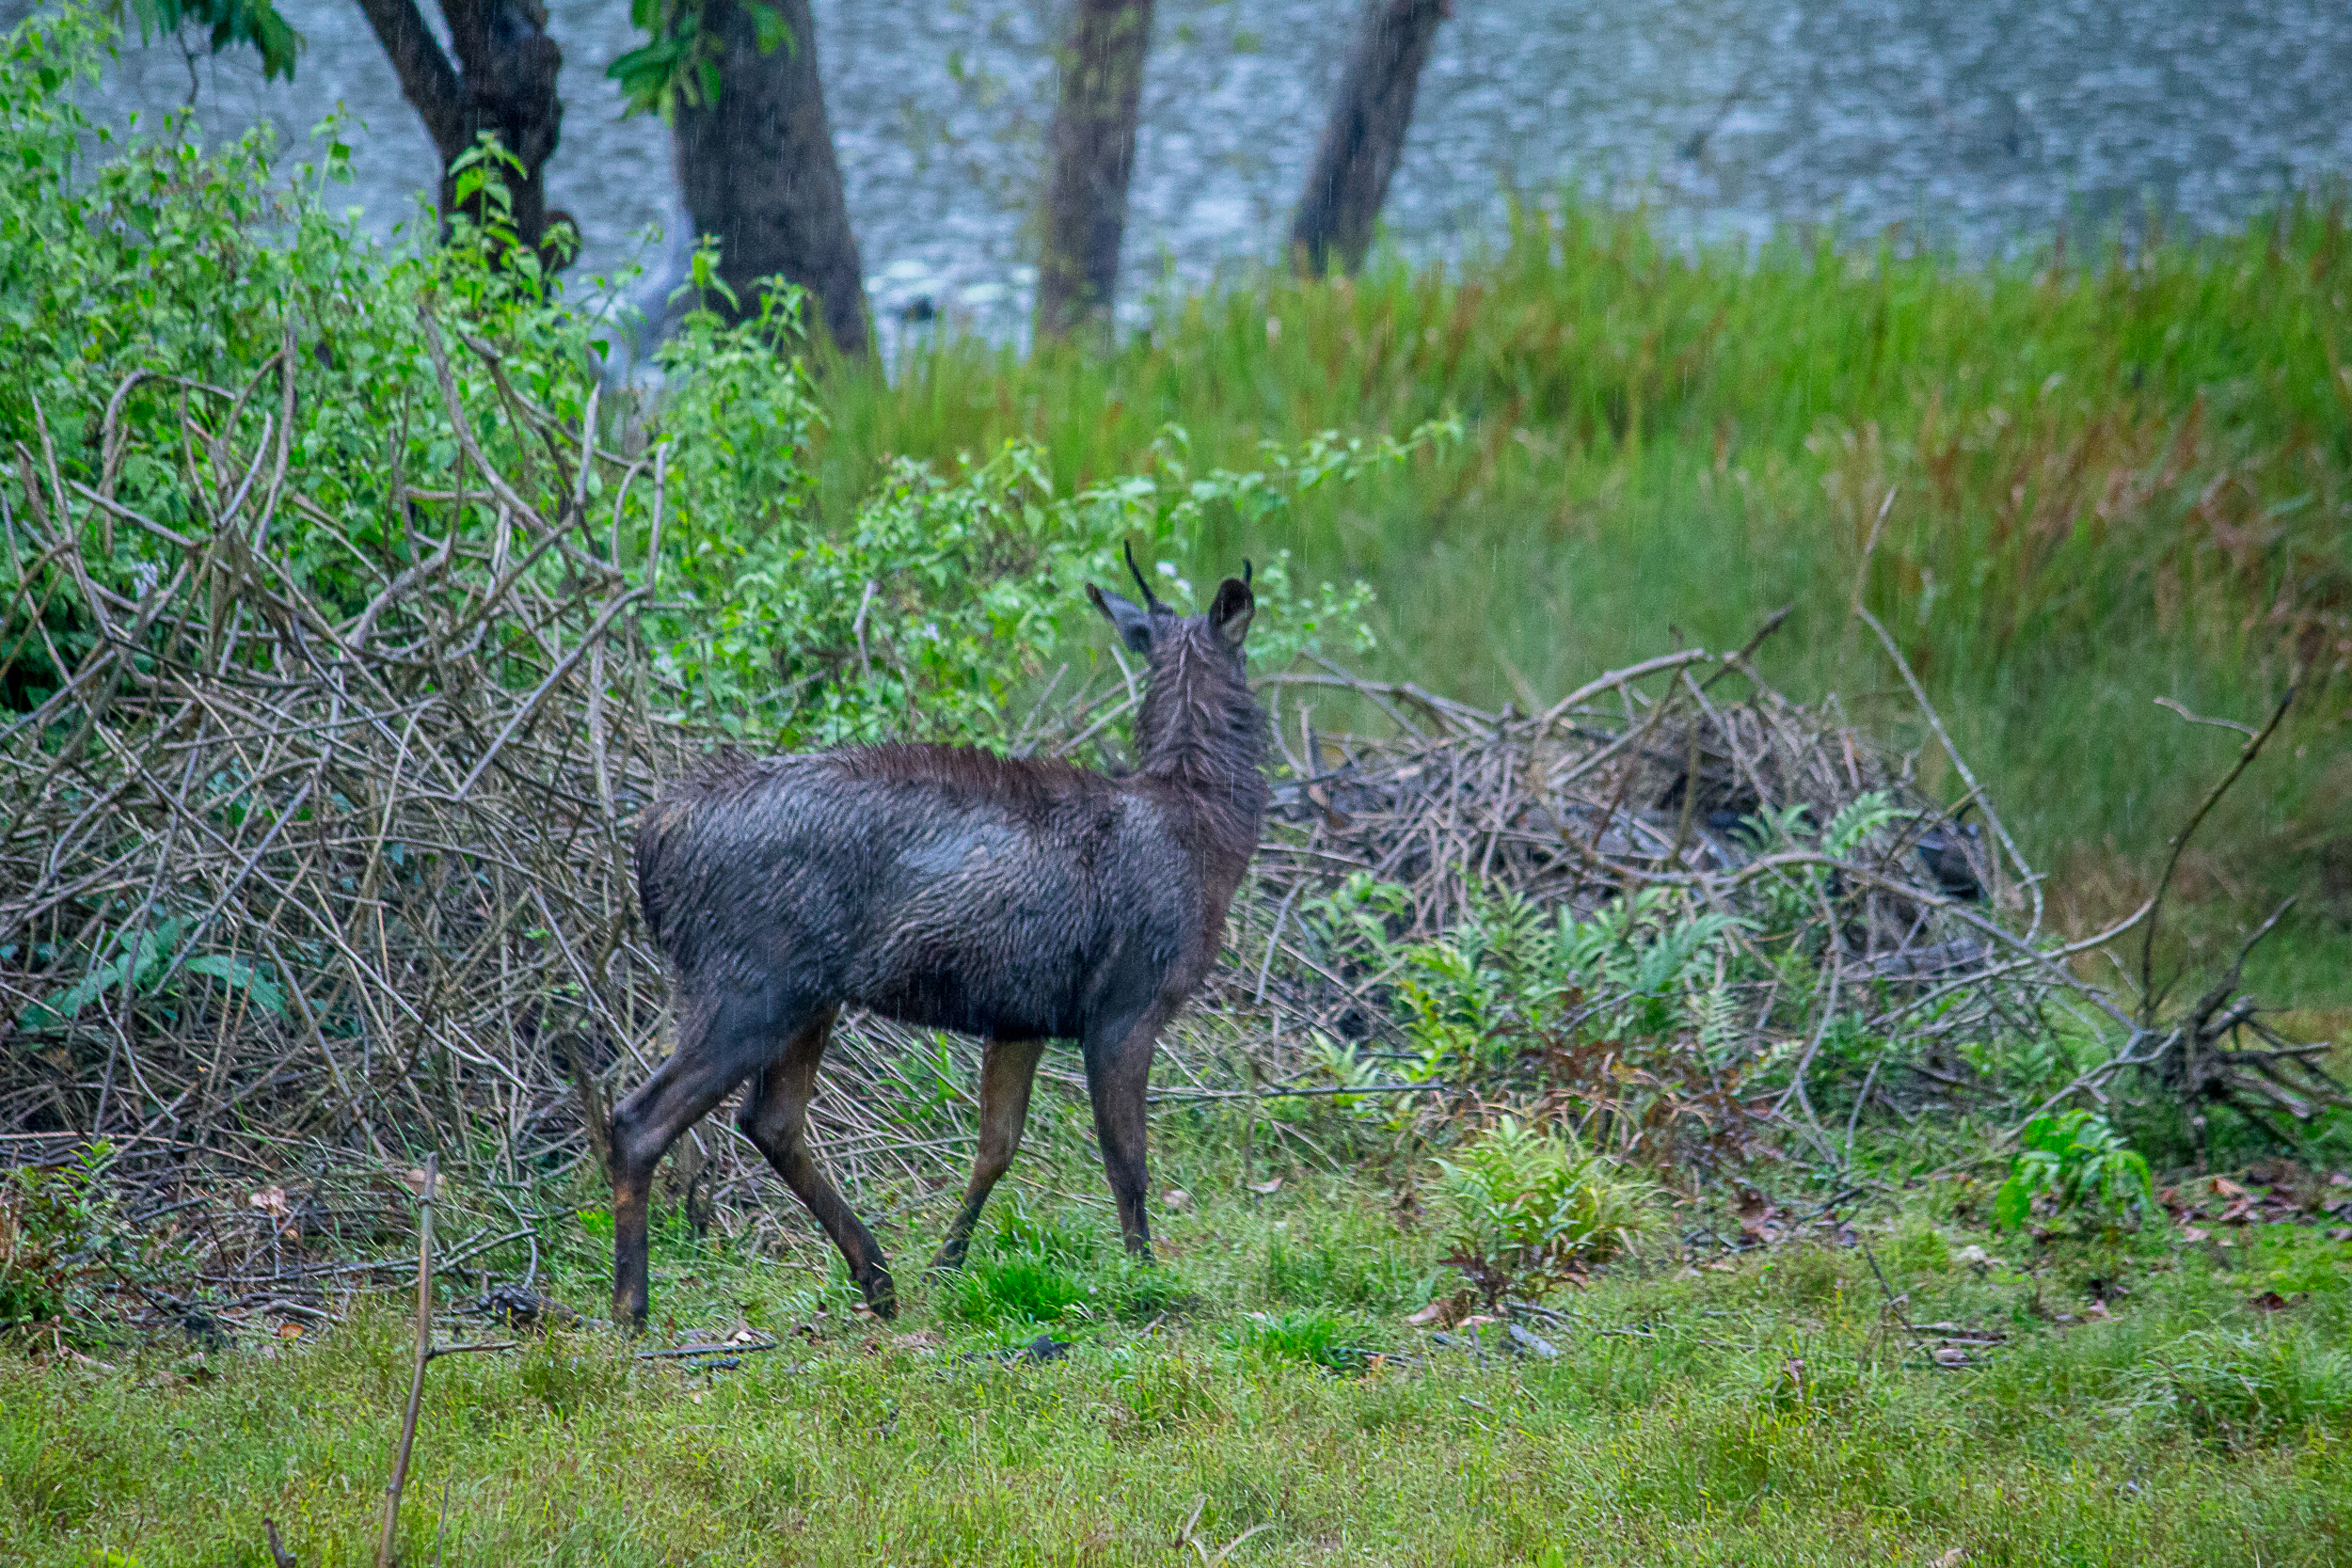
(1013, 899)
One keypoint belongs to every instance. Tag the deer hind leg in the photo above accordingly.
(1007, 1069)
(1119, 1071)
(775, 1117)
(715, 1046)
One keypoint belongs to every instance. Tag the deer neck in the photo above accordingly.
(1202, 738)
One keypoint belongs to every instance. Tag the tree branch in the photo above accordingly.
(428, 79)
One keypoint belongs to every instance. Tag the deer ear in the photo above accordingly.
(1135, 625)
(1232, 610)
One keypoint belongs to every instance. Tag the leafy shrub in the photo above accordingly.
(59, 1239)
(2237, 1389)
(1527, 1211)
(2077, 1161)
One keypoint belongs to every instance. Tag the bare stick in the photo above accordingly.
(387, 1551)
(2149, 1000)
(1960, 765)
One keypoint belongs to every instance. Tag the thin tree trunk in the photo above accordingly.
(758, 171)
(1365, 137)
(1093, 143)
(502, 81)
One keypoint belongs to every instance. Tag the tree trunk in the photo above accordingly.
(1093, 143)
(503, 81)
(757, 170)
(1365, 137)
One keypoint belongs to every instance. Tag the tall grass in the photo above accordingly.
(2115, 480)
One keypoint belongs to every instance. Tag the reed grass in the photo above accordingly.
(2116, 478)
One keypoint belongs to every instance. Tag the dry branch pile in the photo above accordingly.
(287, 888)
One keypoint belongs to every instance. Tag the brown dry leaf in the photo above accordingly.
(2192, 1233)
(2098, 1310)
(2341, 1233)
(1433, 1313)
(272, 1201)
(922, 1339)
(1176, 1198)
(2227, 1188)
(1724, 1265)
(1952, 1559)
(1267, 1188)
(1477, 1319)
(413, 1180)
(2269, 1301)
(289, 1331)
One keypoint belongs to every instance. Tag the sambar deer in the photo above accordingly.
(1018, 900)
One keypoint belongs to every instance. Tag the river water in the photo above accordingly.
(1980, 128)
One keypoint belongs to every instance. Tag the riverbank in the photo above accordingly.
(2115, 480)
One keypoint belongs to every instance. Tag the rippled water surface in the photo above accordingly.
(1982, 126)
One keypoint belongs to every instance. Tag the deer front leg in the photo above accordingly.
(1119, 1071)
(775, 1117)
(1008, 1071)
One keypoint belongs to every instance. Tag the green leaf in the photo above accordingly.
(769, 31)
(238, 973)
(2012, 1205)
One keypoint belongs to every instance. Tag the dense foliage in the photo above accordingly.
(141, 271)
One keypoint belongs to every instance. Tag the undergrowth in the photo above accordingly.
(2126, 1403)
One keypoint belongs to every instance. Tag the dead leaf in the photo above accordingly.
(2227, 1188)
(1176, 1198)
(289, 1331)
(1756, 1214)
(2191, 1233)
(1723, 1265)
(2341, 1233)
(922, 1339)
(414, 1181)
(1477, 1319)
(1433, 1313)
(2269, 1301)
(272, 1201)
(1949, 1355)
(2098, 1310)
(1952, 1559)
(2340, 1178)
(1266, 1188)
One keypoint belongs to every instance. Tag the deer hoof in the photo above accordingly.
(881, 1295)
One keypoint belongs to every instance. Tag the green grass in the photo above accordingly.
(2115, 482)
(1761, 1414)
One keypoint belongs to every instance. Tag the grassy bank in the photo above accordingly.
(2115, 480)
(1765, 1409)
